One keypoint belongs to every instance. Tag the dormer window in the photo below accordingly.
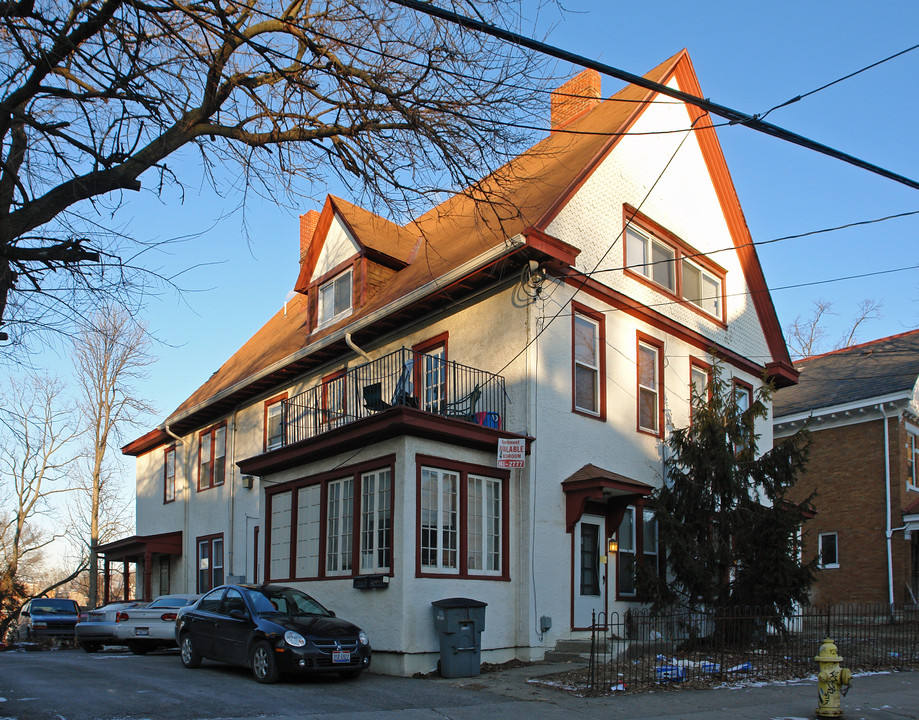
(335, 298)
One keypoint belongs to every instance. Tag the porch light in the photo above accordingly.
(613, 546)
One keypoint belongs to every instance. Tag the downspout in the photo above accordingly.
(354, 347)
(889, 530)
(232, 504)
(185, 503)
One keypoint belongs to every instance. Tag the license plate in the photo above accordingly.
(141, 631)
(341, 656)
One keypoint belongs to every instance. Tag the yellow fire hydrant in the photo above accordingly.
(831, 680)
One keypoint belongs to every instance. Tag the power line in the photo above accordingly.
(754, 243)
(734, 116)
(749, 293)
(838, 80)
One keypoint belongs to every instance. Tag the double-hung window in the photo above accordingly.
(169, 475)
(828, 550)
(212, 451)
(912, 462)
(462, 516)
(743, 399)
(335, 298)
(627, 552)
(700, 377)
(650, 386)
(274, 422)
(588, 357)
(638, 543)
(210, 562)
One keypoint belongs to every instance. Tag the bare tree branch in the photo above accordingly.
(96, 95)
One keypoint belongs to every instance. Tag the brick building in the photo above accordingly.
(861, 405)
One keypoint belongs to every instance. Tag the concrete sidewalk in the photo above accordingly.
(881, 696)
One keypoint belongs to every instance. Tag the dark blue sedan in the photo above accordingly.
(271, 629)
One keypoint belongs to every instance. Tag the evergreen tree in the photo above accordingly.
(728, 531)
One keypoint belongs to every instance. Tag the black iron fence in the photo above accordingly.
(637, 650)
(402, 378)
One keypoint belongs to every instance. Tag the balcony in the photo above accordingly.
(402, 379)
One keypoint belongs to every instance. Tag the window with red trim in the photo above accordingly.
(650, 385)
(462, 513)
(657, 256)
(700, 383)
(212, 461)
(431, 374)
(210, 562)
(743, 397)
(274, 422)
(588, 361)
(333, 525)
(335, 298)
(169, 475)
(334, 398)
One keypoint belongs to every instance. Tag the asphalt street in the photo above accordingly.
(114, 685)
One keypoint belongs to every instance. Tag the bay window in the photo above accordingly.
(337, 524)
(462, 511)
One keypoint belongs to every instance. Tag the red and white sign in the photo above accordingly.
(511, 452)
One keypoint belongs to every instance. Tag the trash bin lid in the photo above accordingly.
(458, 603)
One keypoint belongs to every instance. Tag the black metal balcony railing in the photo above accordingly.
(402, 378)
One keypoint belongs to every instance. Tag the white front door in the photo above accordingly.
(589, 573)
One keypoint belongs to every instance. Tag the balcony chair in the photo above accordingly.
(464, 408)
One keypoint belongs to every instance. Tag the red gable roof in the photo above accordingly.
(518, 200)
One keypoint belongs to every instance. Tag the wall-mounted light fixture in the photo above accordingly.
(613, 546)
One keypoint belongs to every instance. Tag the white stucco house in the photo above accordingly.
(350, 447)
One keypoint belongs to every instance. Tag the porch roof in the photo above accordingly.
(595, 484)
(135, 547)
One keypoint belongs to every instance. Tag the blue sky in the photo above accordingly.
(749, 56)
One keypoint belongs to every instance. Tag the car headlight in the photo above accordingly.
(294, 639)
(362, 638)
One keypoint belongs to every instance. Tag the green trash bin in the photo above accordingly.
(459, 623)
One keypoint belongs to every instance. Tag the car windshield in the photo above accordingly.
(285, 601)
(171, 602)
(53, 607)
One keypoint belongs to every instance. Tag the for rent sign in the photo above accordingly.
(511, 452)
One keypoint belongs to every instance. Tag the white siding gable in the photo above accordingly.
(339, 245)
(672, 187)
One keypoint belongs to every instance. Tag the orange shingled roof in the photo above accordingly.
(524, 193)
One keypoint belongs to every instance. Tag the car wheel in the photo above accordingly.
(263, 665)
(190, 656)
(91, 647)
(351, 674)
(138, 648)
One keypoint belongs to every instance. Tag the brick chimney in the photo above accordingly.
(308, 222)
(575, 98)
